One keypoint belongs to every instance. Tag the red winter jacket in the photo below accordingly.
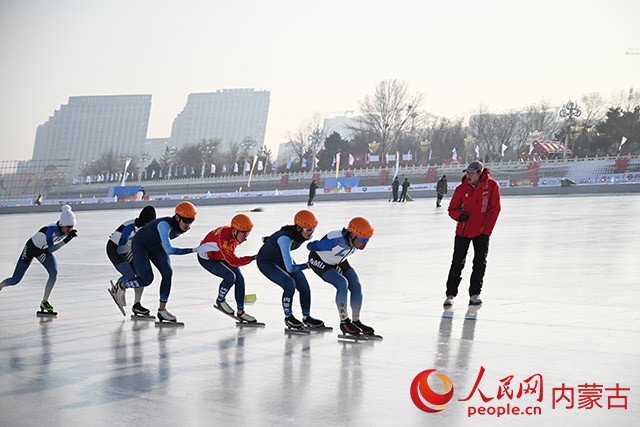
(482, 204)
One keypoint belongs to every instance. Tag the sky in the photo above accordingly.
(314, 57)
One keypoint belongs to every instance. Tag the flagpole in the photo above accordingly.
(337, 163)
(251, 172)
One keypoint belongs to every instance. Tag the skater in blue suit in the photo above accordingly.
(328, 259)
(275, 262)
(41, 246)
(121, 256)
(152, 244)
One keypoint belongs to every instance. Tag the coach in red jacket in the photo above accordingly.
(475, 205)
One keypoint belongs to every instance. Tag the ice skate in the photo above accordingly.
(118, 295)
(140, 312)
(224, 307)
(475, 300)
(367, 331)
(315, 324)
(46, 310)
(167, 319)
(245, 319)
(293, 325)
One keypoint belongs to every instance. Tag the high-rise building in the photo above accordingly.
(231, 115)
(88, 126)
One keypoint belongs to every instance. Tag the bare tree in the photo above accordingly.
(233, 154)
(209, 149)
(535, 122)
(626, 100)
(300, 141)
(388, 113)
(593, 109)
(492, 131)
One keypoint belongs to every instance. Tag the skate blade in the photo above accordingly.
(250, 324)
(142, 317)
(163, 324)
(372, 337)
(320, 329)
(46, 314)
(116, 301)
(352, 338)
(224, 312)
(296, 331)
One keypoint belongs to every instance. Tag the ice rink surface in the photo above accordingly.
(560, 312)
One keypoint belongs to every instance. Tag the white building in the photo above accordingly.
(231, 115)
(88, 126)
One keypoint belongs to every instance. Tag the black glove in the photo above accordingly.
(253, 257)
(71, 235)
(463, 217)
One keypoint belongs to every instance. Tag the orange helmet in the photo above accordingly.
(186, 210)
(306, 219)
(361, 227)
(242, 222)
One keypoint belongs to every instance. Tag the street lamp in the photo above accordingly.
(568, 112)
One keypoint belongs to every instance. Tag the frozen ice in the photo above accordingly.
(560, 299)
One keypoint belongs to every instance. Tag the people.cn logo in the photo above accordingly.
(425, 398)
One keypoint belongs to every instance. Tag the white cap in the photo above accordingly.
(67, 218)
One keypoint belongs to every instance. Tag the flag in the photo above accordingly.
(160, 173)
(391, 157)
(395, 173)
(504, 147)
(624, 139)
(407, 157)
(288, 164)
(224, 168)
(184, 171)
(247, 166)
(253, 165)
(213, 169)
(531, 148)
(430, 152)
(351, 159)
(337, 162)
(454, 154)
(169, 173)
(153, 173)
(202, 170)
(235, 167)
(316, 161)
(558, 147)
(260, 165)
(374, 157)
(477, 150)
(193, 172)
(126, 165)
(333, 161)
(274, 165)
(304, 163)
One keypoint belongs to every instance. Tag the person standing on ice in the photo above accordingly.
(216, 254)
(475, 205)
(152, 244)
(120, 255)
(328, 259)
(405, 187)
(41, 246)
(441, 189)
(275, 262)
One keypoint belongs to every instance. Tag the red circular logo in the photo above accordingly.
(425, 398)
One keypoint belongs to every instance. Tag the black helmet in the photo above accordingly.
(147, 214)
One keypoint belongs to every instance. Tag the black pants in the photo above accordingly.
(440, 196)
(460, 249)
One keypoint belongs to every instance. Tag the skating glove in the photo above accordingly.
(71, 235)
(463, 217)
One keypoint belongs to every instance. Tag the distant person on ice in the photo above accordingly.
(441, 189)
(395, 185)
(152, 244)
(121, 256)
(312, 192)
(276, 263)
(216, 254)
(405, 187)
(328, 259)
(41, 246)
(475, 206)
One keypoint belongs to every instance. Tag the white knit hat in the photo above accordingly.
(67, 218)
